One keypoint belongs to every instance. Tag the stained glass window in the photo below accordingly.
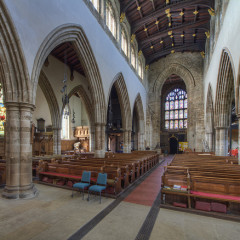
(180, 123)
(176, 124)
(176, 114)
(167, 106)
(176, 109)
(167, 115)
(2, 112)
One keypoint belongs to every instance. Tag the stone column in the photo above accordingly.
(12, 151)
(19, 152)
(99, 140)
(103, 142)
(92, 139)
(56, 140)
(209, 140)
(125, 141)
(129, 141)
(27, 189)
(221, 141)
(59, 139)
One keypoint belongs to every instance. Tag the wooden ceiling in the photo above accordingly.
(66, 53)
(162, 27)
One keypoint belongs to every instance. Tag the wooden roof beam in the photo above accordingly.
(192, 47)
(161, 12)
(199, 24)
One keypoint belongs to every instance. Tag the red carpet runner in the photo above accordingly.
(147, 191)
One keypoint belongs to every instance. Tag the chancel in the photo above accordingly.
(134, 101)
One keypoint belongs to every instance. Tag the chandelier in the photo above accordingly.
(65, 98)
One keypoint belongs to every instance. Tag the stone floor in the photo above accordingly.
(54, 214)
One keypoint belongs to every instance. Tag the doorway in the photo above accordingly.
(173, 143)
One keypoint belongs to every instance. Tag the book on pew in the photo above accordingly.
(183, 188)
(176, 187)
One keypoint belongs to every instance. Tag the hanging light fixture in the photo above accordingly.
(65, 98)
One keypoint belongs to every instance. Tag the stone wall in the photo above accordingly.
(189, 67)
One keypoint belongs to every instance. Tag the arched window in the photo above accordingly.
(110, 19)
(140, 69)
(2, 112)
(176, 109)
(65, 124)
(124, 44)
(133, 57)
(95, 4)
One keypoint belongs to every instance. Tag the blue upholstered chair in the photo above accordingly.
(100, 186)
(85, 182)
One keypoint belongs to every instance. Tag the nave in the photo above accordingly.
(54, 214)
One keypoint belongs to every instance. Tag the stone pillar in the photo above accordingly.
(99, 140)
(129, 141)
(12, 151)
(92, 139)
(19, 152)
(56, 140)
(125, 141)
(27, 189)
(103, 142)
(141, 141)
(210, 140)
(221, 141)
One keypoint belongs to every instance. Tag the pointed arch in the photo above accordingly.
(86, 101)
(209, 120)
(177, 69)
(140, 113)
(13, 68)
(51, 100)
(224, 91)
(138, 106)
(124, 101)
(209, 110)
(75, 34)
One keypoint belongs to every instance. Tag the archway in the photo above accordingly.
(194, 89)
(119, 90)
(174, 112)
(138, 126)
(17, 90)
(74, 35)
(210, 136)
(223, 103)
(173, 145)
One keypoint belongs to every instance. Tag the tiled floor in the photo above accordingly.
(55, 215)
(148, 190)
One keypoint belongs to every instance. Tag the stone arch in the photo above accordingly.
(209, 120)
(51, 100)
(17, 90)
(124, 101)
(177, 69)
(75, 34)
(225, 87)
(223, 101)
(13, 68)
(86, 101)
(195, 129)
(140, 115)
(125, 107)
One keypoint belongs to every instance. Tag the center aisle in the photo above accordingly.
(147, 191)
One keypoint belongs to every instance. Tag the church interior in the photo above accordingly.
(119, 119)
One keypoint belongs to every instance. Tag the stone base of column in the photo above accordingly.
(26, 192)
(99, 154)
